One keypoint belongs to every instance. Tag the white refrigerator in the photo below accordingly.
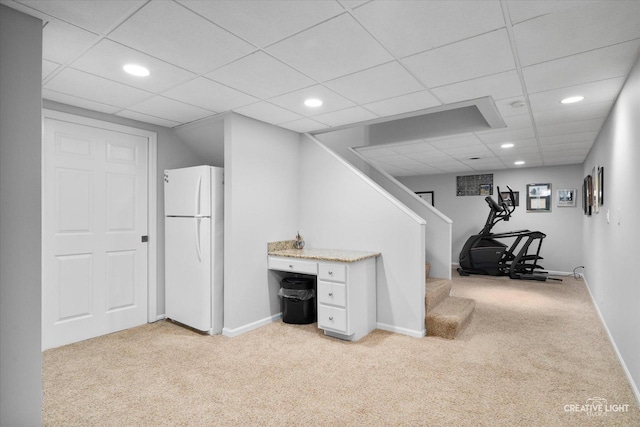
(194, 225)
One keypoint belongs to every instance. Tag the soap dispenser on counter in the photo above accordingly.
(299, 241)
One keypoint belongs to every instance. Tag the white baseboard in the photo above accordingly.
(403, 331)
(160, 317)
(634, 386)
(227, 332)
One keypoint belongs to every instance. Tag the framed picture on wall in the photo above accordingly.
(567, 197)
(506, 196)
(601, 185)
(426, 195)
(538, 197)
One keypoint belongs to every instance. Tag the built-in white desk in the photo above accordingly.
(346, 295)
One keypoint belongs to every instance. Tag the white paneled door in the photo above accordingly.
(94, 219)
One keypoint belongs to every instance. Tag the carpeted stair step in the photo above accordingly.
(437, 290)
(449, 317)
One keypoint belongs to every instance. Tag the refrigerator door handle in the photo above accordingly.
(198, 240)
(198, 195)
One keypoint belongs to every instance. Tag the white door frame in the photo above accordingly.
(152, 200)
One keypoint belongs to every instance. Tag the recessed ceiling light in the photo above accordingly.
(518, 104)
(313, 102)
(519, 162)
(507, 145)
(136, 70)
(572, 99)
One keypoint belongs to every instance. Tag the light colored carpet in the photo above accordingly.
(531, 349)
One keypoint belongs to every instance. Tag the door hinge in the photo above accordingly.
(144, 239)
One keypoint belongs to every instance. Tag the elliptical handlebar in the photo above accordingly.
(498, 211)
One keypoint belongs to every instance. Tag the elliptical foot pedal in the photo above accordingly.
(462, 272)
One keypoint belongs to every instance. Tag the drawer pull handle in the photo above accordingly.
(330, 273)
(330, 294)
(330, 317)
(290, 266)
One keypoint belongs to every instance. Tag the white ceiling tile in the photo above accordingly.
(404, 104)
(331, 49)
(498, 86)
(505, 135)
(346, 116)
(294, 101)
(96, 15)
(265, 22)
(391, 159)
(577, 29)
(518, 122)
(408, 27)
(570, 127)
(522, 143)
(506, 108)
(134, 115)
(170, 109)
(431, 157)
(48, 67)
(64, 98)
(602, 91)
(466, 140)
(467, 152)
(98, 89)
(580, 111)
(267, 112)
(107, 58)
(454, 167)
(568, 138)
(485, 164)
(62, 42)
(525, 10)
(260, 75)
(572, 147)
(207, 94)
(413, 147)
(465, 60)
(168, 31)
(557, 161)
(374, 152)
(528, 157)
(304, 125)
(599, 64)
(352, 4)
(389, 79)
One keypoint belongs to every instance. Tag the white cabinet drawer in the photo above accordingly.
(293, 265)
(332, 293)
(332, 318)
(332, 271)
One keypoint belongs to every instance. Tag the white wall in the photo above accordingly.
(261, 205)
(438, 227)
(561, 248)
(340, 208)
(20, 218)
(611, 249)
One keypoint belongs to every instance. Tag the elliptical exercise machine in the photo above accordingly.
(483, 253)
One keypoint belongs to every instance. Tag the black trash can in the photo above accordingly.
(298, 300)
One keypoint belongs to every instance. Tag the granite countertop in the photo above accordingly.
(337, 255)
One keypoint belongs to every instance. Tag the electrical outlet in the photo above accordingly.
(608, 216)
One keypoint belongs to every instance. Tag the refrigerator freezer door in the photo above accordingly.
(188, 271)
(187, 191)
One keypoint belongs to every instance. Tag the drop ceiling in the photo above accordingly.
(365, 59)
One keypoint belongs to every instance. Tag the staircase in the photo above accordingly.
(446, 315)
